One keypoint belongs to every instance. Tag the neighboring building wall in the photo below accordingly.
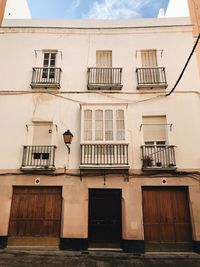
(194, 7)
(2, 9)
(17, 10)
(175, 10)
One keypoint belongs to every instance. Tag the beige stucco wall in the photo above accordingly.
(75, 201)
(178, 109)
(194, 8)
(77, 52)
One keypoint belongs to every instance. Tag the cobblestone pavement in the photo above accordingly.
(37, 258)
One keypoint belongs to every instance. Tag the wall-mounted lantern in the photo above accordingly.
(67, 137)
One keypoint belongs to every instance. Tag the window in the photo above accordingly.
(42, 133)
(103, 124)
(87, 125)
(156, 153)
(149, 64)
(109, 125)
(103, 59)
(149, 58)
(49, 63)
(154, 130)
(104, 65)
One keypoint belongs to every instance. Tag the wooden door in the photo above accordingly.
(35, 212)
(105, 217)
(166, 219)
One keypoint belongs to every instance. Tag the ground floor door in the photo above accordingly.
(105, 229)
(166, 219)
(35, 212)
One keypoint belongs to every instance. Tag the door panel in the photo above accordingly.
(104, 215)
(166, 219)
(35, 211)
(166, 216)
(151, 215)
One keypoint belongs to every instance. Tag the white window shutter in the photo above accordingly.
(154, 128)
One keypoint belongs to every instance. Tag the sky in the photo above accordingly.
(96, 9)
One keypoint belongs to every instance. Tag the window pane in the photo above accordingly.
(53, 56)
(120, 114)
(46, 60)
(87, 125)
(108, 125)
(98, 125)
(120, 126)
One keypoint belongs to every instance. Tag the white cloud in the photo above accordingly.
(76, 3)
(116, 9)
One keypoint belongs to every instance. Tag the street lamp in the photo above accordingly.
(68, 136)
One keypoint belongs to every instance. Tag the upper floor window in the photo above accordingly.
(150, 75)
(103, 124)
(149, 58)
(49, 63)
(155, 130)
(42, 133)
(103, 59)
(156, 152)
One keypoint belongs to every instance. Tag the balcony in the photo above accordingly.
(104, 78)
(46, 78)
(151, 78)
(158, 157)
(38, 158)
(104, 156)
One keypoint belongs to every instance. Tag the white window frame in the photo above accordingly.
(167, 131)
(49, 71)
(104, 107)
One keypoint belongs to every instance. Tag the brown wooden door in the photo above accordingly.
(35, 212)
(105, 217)
(166, 219)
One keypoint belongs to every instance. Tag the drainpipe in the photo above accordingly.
(2, 9)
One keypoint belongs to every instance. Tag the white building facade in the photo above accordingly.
(17, 10)
(129, 178)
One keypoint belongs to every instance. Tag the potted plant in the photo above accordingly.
(159, 164)
(147, 161)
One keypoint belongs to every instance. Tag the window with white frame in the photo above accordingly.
(103, 58)
(103, 124)
(154, 130)
(49, 64)
(41, 148)
(149, 58)
(42, 133)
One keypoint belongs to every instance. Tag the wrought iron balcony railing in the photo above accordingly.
(151, 78)
(105, 78)
(38, 157)
(104, 155)
(46, 77)
(158, 157)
